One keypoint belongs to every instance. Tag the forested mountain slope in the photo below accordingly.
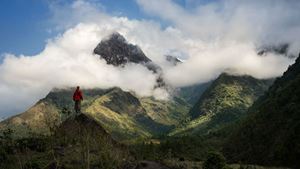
(270, 135)
(225, 101)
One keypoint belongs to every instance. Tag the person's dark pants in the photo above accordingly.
(77, 106)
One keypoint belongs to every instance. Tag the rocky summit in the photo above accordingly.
(117, 51)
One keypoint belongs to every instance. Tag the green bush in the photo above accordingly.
(3, 155)
(214, 161)
(32, 165)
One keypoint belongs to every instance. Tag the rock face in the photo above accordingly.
(173, 60)
(280, 49)
(117, 51)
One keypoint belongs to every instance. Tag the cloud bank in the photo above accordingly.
(211, 38)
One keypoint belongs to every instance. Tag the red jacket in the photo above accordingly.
(77, 95)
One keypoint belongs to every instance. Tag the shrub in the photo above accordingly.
(32, 165)
(214, 161)
(3, 155)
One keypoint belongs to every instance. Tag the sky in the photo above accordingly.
(23, 28)
(26, 24)
(29, 21)
(48, 44)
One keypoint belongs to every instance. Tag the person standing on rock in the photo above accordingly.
(77, 98)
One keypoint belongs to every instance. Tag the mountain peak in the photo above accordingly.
(279, 49)
(117, 51)
(116, 36)
(173, 60)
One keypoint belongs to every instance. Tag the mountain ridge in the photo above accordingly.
(223, 102)
(269, 135)
(123, 114)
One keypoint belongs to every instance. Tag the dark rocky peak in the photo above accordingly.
(116, 36)
(117, 51)
(281, 49)
(173, 60)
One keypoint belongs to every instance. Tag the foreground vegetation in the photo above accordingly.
(81, 143)
(78, 143)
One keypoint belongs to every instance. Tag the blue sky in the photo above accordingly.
(24, 23)
(23, 26)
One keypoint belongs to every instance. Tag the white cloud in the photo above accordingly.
(67, 61)
(224, 35)
(246, 20)
(212, 38)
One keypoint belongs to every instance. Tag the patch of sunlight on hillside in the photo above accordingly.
(120, 124)
(165, 112)
(191, 125)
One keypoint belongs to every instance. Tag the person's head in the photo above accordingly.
(77, 88)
